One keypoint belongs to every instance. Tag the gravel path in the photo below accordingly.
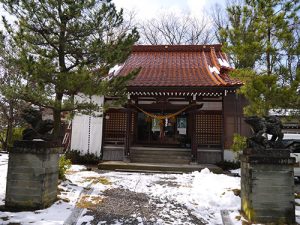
(121, 206)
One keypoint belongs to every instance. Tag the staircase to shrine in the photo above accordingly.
(160, 155)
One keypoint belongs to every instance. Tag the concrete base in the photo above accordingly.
(156, 167)
(267, 186)
(32, 175)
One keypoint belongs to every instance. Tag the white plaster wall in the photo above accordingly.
(87, 130)
(79, 138)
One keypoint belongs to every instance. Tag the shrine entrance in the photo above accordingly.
(165, 132)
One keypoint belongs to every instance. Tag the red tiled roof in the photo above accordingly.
(178, 65)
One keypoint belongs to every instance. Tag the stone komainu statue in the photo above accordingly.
(39, 128)
(261, 125)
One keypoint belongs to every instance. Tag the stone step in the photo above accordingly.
(115, 147)
(160, 153)
(161, 157)
(113, 165)
(185, 157)
(158, 149)
(159, 160)
(149, 154)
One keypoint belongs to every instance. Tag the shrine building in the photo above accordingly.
(182, 107)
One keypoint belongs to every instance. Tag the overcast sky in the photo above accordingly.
(146, 9)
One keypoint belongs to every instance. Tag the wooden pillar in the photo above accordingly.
(223, 127)
(193, 138)
(127, 135)
(103, 134)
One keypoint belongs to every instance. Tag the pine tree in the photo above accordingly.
(241, 40)
(275, 22)
(10, 106)
(262, 38)
(65, 48)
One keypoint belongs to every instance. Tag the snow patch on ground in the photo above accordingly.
(59, 211)
(3, 173)
(176, 196)
(236, 172)
(204, 193)
(85, 220)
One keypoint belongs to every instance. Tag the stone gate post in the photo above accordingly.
(32, 175)
(267, 186)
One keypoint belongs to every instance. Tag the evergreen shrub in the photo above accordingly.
(77, 158)
(64, 164)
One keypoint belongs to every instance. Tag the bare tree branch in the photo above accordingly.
(173, 29)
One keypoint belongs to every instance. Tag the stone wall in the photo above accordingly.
(32, 175)
(267, 186)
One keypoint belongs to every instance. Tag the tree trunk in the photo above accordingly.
(268, 53)
(9, 135)
(4, 143)
(9, 128)
(57, 118)
(56, 124)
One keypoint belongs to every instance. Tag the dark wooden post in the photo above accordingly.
(103, 135)
(193, 138)
(223, 127)
(127, 135)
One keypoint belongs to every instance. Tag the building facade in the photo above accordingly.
(182, 105)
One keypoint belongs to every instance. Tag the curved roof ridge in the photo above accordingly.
(216, 64)
(214, 58)
(208, 70)
(175, 48)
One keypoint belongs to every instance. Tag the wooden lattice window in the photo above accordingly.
(209, 128)
(115, 126)
(133, 123)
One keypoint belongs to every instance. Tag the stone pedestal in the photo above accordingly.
(32, 175)
(267, 186)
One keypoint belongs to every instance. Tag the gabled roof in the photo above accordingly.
(179, 65)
